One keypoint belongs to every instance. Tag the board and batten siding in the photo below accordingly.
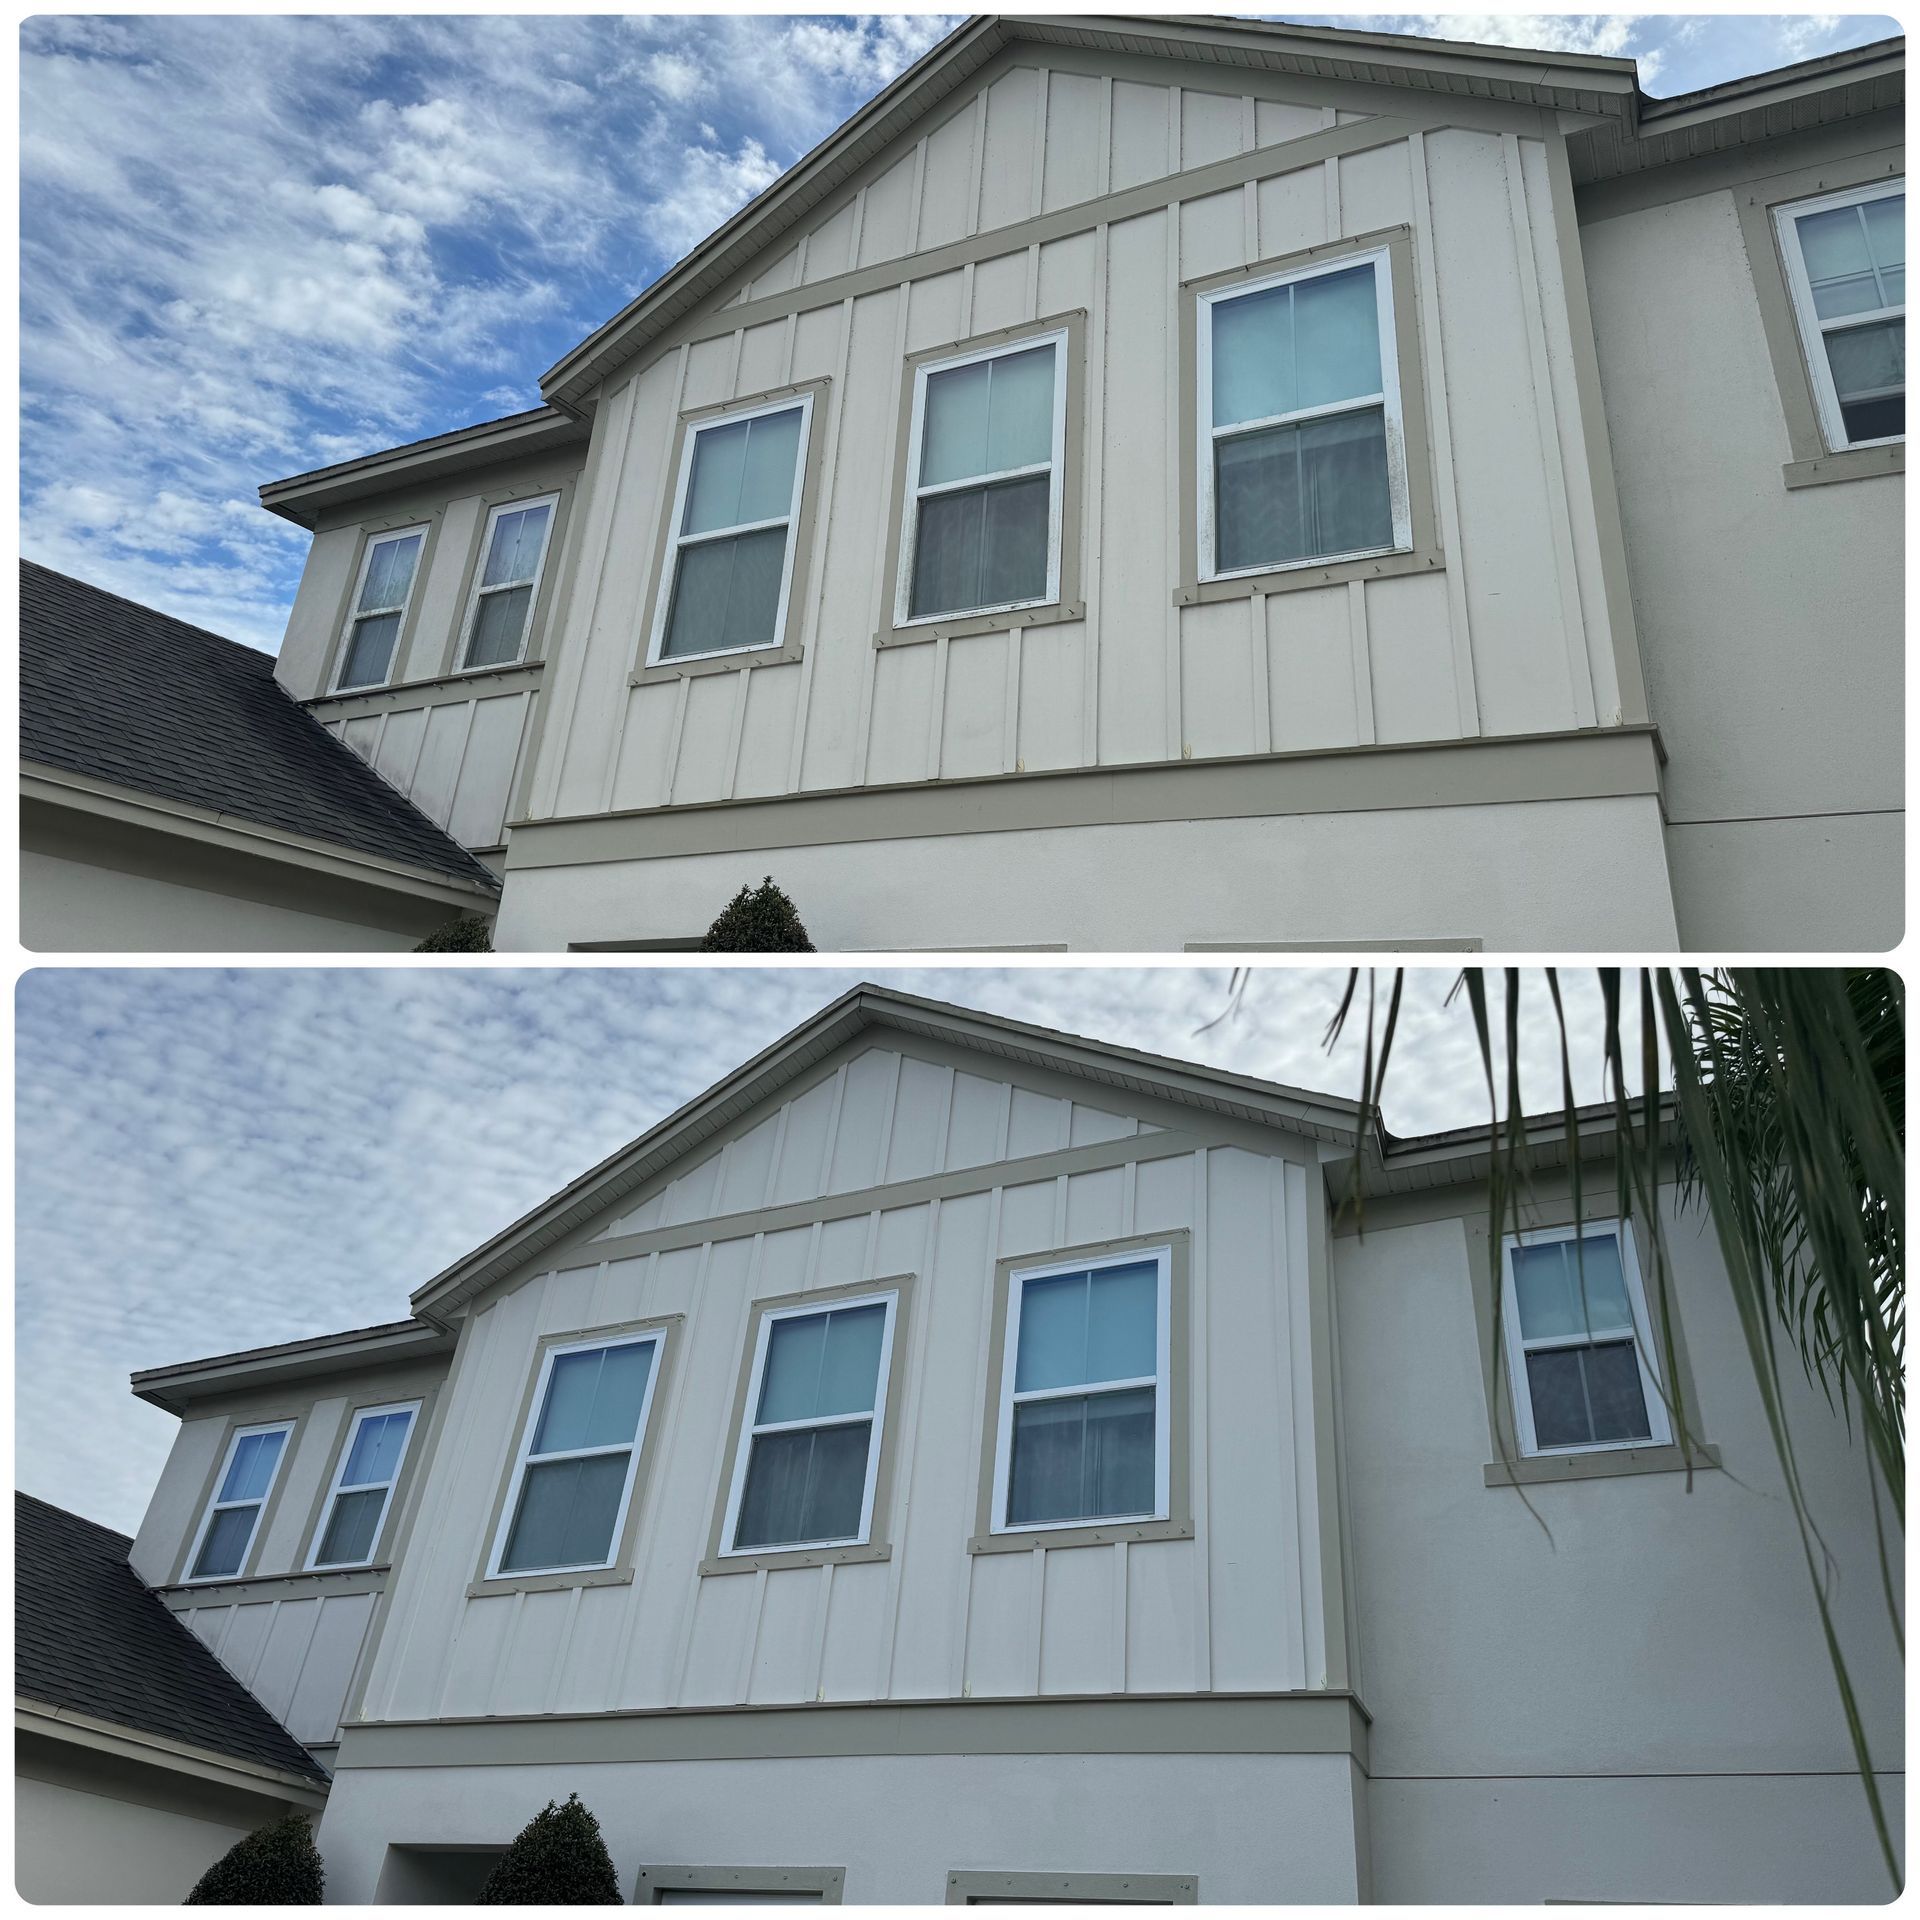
(1510, 635)
(1238, 1606)
(296, 1655)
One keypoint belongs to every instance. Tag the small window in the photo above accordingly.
(239, 1498)
(1302, 458)
(573, 1477)
(356, 1505)
(809, 1450)
(1846, 261)
(511, 558)
(986, 460)
(1084, 1422)
(380, 598)
(730, 562)
(1577, 1343)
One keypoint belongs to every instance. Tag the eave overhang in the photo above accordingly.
(392, 1343)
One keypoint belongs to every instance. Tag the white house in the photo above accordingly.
(951, 1460)
(1156, 484)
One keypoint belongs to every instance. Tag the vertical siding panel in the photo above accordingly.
(1362, 656)
(1077, 1622)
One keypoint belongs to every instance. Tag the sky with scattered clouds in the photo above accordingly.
(211, 1160)
(251, 246)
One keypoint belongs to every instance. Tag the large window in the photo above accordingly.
(1846, 261)
(1301, 456)
(1084, 1417)
(1577, 1339)
(573, 1476)
(808, 1453)
(730, 554)
(240, 1494)
(986, 463)
(512, 555)
(379, 608)
(356, 1505)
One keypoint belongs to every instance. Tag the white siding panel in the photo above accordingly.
(766, 733)
(1216, 679)
(973, 705)
(1052, 695)
(1006, 180)
(947, 187)
(1075, 103)
(1412, 654)
(479, 811)
(1212, 126)
(1079, 1629)
(1140, 140)
(277, 1672)
(886, 217)
(1310, 668)
(320, 1695)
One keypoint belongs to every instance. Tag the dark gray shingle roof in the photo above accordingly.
(115, 691)
(88, 1636)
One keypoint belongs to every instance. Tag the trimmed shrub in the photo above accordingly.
(758, 920)
(468, 933)
(557, 1860)
(277, 1866)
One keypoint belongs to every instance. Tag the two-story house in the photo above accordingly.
(1160, 484)
(951, 1460)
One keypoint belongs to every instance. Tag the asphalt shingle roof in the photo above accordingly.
(88, 1636)
(116, 691)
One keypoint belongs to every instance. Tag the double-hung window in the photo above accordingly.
(1846, 261)
(986, 462)
(356, 1505)
(809, 1449)
(572, 1479)
(1577, 1338)
(1301, 457)
(511, 558)
(379, 608)
(730, 552)
(240, 1494)
(1084, 1419)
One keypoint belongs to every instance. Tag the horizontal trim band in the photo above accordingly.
(1252, 1723)
(260, 1588)
(440, 689)
(1596, 763)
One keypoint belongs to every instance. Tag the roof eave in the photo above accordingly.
(177, 1387)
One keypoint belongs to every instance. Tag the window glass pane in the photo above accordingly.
(1079, 1327)
(1558, 1387)
(1886, 223)
(593, 1398)
(1020, 410)
(719, 462)
(981, 548)
(1869, 375)
(226, 1543)
(850, 1372)
(1546, 1287)
(819, 1364)
(743, 472)
(250, 1472)
(1086, 1458)
(374, 1457)
(1123, 1324)
(766, 485)
(953, 434)
(370, 650)
(566, 1513)
(726, 594)
(390, 572)
(350, 1528)
(1833, 243)
(807, 1484)
(1253, 356)
(515, 551)
(1336, 337)
(1614, 1392)
(499, 624)
(1297, 493)
(1856, 293)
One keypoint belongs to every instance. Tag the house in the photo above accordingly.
(1160, 484)
(173, 798)
(952, 1460)
(138, 1758)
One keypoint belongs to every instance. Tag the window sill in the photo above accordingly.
(289, 1585)
(1856, 463)
(439, 682)
(1379, 566)
(1540, 1469)
(972, 623)
(1129, 1530)
(549, 1582)
(797, 1557)
(734, 662)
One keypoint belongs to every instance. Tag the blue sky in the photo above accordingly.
(212, 1160)
(255, 245)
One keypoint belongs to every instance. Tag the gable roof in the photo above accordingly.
(89, 1638)
(118, 692)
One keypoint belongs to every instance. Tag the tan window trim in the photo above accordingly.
(828, 1882)
(370, 531)
(534, 652)
(967, 1888)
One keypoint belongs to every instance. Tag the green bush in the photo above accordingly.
(557, 1860)
(758, 920)
(278, 1866)
(468, 933)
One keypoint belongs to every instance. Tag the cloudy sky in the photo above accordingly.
(214, 1160)
(253, 246)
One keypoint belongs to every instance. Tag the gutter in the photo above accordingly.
(75, 1729)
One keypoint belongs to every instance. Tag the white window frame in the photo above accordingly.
(1660, 1433)
(216, 1505)
(1388, 399)
(336, 1487)
(471, 620)
(1055, 468)
(1160, 1380)
(356, 613)
(524, 1457)
(1814, 330)
(750, 1428)
(677, 540)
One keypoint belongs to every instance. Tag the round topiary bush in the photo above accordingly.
(556, 1860)
(758, 920)
(469, 933)
(278, 1866)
